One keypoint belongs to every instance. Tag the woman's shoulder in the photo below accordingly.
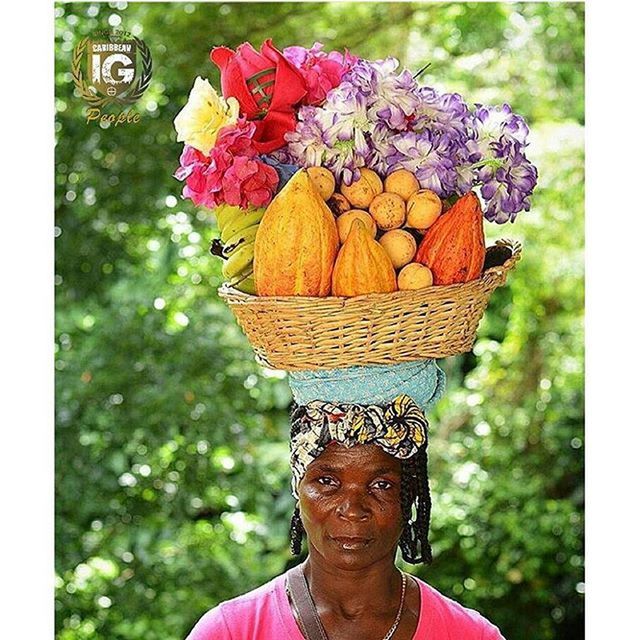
(250, 615)
(459, 621)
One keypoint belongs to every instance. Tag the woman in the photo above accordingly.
(359, 475)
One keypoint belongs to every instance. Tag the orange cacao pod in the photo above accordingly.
(453, 247)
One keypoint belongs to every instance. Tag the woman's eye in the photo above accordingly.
(385, 485)
(325, 480)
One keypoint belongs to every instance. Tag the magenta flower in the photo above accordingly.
(193, 169)
(248, 182)
(321, 71)
(234, 140)
(231, 174)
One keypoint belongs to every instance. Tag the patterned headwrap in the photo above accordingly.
(399, 428)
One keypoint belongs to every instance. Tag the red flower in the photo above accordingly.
(267, 86)
(235, 140)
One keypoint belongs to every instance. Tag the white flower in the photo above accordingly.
(204, 115)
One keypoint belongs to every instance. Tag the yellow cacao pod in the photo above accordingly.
(296, 243)
(362, 265)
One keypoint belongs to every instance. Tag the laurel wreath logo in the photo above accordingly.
(130, 96)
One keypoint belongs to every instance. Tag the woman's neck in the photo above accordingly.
(353, 593)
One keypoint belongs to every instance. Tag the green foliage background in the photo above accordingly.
(171, 443)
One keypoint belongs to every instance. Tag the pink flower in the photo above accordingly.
(193, 168)
(231, 174)
(249, 182)
(234, 140)
(321, 71)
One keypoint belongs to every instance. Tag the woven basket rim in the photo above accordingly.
(497, 271)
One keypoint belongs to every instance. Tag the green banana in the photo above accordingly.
(244, 235)
(238, 228)
(239, 260)
(224, 214)
(242, 220)
(247, 285)
(241, 277)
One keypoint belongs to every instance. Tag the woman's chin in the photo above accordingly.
(349, 554)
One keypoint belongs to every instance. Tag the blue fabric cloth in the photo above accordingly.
(285, 171)
(423, 380)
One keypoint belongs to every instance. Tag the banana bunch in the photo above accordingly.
(238, 228)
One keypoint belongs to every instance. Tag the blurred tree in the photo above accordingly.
(171, 443)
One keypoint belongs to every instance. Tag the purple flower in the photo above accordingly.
(391, 97)
(380, 118)
(445, 113)
(428, 157)
(307, 145)
(363, 77)
(496, 161)
(492, 122)
(507, 188)
(381, 148)
(349, 108)
(331, 139)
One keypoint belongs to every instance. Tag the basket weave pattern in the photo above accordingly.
(300, 333)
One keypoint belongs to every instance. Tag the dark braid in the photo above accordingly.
(415, 496)
(296, 532)
(296, 529)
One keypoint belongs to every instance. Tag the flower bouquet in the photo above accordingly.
(350, 202)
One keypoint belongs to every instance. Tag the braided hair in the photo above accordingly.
(415, 502)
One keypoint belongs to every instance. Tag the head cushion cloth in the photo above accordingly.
(422, 380)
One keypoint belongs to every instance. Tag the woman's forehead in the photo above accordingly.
(367, 457)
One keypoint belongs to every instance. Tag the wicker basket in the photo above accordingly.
(297, 333)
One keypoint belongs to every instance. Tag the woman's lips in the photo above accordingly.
(350, 543)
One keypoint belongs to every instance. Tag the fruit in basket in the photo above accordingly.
(231, 228)
(247, 285)
(388, 210)
(239, 261)
(323, 180)
(362, 191)
(400, 246)
(414, 276)
(402, 182)
(338, 204)
(240, 237)
(238, 228)
(362, 265)
(345, 221)
(423, 209)
(453, 248)
(296, 243)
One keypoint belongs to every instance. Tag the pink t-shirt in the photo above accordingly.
(265, 614)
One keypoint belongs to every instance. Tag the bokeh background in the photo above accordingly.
(171, 442)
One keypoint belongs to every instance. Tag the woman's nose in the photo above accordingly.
(353, 506)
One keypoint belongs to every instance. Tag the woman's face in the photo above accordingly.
(350, 505)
